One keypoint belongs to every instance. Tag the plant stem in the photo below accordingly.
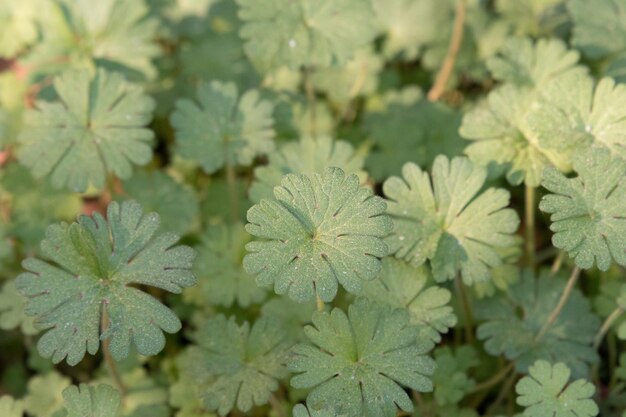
(106, 352)
(320, 303)
(310, 95)
(231, 180)
(606, 326)
(571, 282)
(467, 311)
(453, 51)
(529, 238)
(493, 380)
(556, 265)
(277, 406)
(506, 387)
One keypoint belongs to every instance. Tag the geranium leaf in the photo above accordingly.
(91, 269)
(319, 231)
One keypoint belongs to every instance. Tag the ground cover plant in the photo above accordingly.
(312, 208)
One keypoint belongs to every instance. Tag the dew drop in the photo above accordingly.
(292, 43)
(400, 237)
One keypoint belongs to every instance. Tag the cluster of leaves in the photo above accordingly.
(312, 208)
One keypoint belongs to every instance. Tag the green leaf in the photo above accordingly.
(45, 398)
(599, 29)
(310, 155)
(91, 401)
(156, 191)
(92, 266)
(547, 391)
(221, 277)
(314, 33)
(587, 211)
(359, 363)
(572, 115)
(212, 207)
(292, 315)
(450, 377)
(12, 310)
(11, 408)
(448, 222)
(96, 127)
(410, 132)
(222, 127)
(403, 286)
(117, 35)
(145, 395)
(357, 77)
(319, 231)
(18, 26)
(409, 25)
(512, 322)
(500, 134)
(523, 62)
(534, 17)
(245, 363)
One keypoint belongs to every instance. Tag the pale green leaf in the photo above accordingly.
(45, 394)
(91, 401)
(310, 155)
(599, 27)
(587, 211)
(449, 222)
(523, 62)
(96, 127)
(500, 134)
(245, 364)
(222, 127)
(18, 26)
(360, 362)
(117, 35)
(92, 267)
(12, 408)
(548, 392)
(572, 114)
(315, 33)
(403, 286)
(302, 411)
(512, 321)
(221, 277)
(318, 232)
(12, 310)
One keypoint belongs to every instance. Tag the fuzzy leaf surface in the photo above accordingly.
(358, 363)
(317, 232)
(587, 211)
(93, 266)
(449, 222)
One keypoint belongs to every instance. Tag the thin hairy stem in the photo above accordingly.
(453, 51)
(606, 326)
(571, 283)
(320, 303)
(529, 236)
(231, 180)
(467, 311)
(495, 379)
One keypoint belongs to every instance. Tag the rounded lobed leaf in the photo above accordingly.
(96, 127)
(91, 401)
(319, 231)
(223, 128)
(92, 266)
(358, 363)
(448, 222)
(587, 212)
(547, 392)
